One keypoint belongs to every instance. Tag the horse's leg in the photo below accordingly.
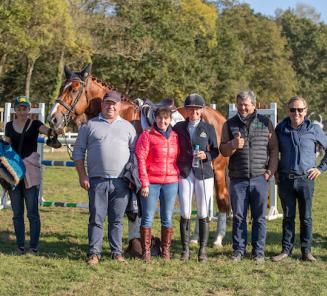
(222, 197)
(195, 235)
(221, 230)
(222, 194)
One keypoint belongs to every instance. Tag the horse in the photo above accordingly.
(80, 100)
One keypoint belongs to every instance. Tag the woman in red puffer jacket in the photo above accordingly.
(157, 151)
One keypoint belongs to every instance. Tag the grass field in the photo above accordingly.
(60, 269)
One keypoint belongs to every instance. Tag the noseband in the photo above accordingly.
(69, 115)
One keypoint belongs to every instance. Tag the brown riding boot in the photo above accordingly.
(166, 236)
(146, 243)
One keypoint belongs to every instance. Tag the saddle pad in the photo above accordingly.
(12, 168)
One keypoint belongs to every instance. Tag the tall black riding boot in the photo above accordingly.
(203, 237)
(185, 238)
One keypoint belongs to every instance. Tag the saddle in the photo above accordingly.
(149, 108)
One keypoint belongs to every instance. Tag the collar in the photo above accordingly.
(102, 118)
(248, 119)
(306, 123)
(166, 133)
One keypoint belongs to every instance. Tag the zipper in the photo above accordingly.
(248, 140)
(167, 154)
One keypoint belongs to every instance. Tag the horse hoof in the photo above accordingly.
(194, 241)
(218, 243)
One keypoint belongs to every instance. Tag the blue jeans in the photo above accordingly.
(289, 191)
(30, 196)
(244, 193)
(167, 195)
(107, 197)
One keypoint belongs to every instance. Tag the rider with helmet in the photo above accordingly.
(199, 148)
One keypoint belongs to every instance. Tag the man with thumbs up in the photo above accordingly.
(250, 141)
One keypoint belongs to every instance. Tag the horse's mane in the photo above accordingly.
(102, 83)
(111, 88)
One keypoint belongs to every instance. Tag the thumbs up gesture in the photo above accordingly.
(238, 142)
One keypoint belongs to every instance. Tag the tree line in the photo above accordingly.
(164, 48)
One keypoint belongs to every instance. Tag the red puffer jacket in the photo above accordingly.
(156, 157)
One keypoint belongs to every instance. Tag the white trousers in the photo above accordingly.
(203, 194)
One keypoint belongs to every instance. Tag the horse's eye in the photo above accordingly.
(76, 85)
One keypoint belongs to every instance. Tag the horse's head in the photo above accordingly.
(73, 98)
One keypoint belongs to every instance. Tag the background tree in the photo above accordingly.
(307, 41)
(164, 48)
(157, 48)
(252, 54)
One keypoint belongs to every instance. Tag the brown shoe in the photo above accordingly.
(280, 257)
(259, 259)
(166, 237)
(92, 259)
(119, 258)
(308, 257)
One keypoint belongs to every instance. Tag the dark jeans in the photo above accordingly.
(30, 196)
(244, 193)
(167, 195)
(107, 197)
(290, 190)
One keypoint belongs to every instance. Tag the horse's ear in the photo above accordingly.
(67, 72)
(86, 71)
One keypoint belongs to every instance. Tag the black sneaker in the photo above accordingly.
(20, 251)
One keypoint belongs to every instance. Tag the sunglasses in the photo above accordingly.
(299, 110)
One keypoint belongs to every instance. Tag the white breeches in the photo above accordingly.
(203, 194)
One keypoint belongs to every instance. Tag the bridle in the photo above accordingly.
(69, 115)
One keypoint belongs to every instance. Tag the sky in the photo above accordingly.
(268, 7)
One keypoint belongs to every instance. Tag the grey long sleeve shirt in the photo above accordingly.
(108, 146)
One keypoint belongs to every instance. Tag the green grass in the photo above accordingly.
(61, 270)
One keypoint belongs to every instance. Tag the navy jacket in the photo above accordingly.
(205, 136)
(297, 147)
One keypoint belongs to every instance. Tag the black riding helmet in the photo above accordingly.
(194, 100)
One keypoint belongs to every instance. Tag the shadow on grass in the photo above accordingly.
(73, 247)
(52, 245)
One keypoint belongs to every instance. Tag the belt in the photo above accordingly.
(295, 176)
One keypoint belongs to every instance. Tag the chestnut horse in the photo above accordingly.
(80, 99)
